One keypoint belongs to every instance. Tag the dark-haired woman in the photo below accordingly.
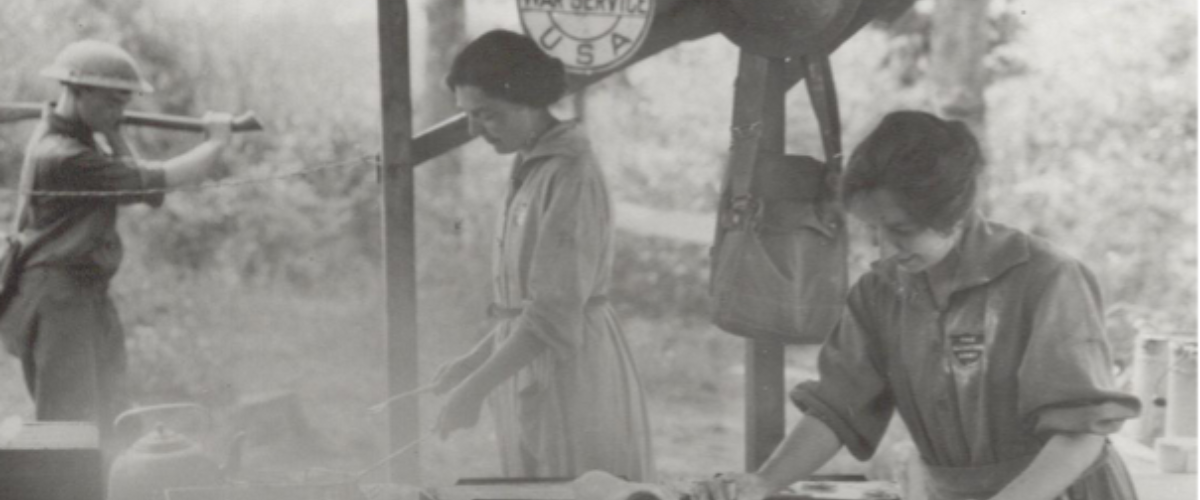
(561, 379)
(989, 342)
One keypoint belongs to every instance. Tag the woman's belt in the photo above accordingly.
(497, 311)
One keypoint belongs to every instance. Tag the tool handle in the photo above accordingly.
(165, 408)
(402, 450)
(246, 122)
(378, 407)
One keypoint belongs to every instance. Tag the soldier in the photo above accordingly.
(61, 323)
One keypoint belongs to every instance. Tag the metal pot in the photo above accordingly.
(165, 459)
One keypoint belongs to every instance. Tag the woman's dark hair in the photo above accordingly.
(931, 165)
(509, 66)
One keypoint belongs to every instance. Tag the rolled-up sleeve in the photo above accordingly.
(123, 181)
(565, 259)
(852, 395)
(1065, 378)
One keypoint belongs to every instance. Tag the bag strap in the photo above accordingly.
(822, 92)
(749, 89)
(749, 100)
(749, 93)
(25, 181)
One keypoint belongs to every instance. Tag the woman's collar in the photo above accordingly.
(985, 251)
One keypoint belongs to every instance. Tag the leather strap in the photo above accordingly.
(822, 92)
(737, 203)
(25, 182)
(748, 100)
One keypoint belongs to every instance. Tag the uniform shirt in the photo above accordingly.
(982, 367)
(67, 159)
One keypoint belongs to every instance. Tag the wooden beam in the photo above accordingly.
(765, 401)
(399, 238)
(764, 359)
(685, 21)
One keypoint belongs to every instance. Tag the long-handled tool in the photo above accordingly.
(358, 476)
(20, 111)
(384, 404)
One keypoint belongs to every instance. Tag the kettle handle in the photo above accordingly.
(208, 420)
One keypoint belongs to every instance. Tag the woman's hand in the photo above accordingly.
(453, 373)
(461, 411)
(731, 486)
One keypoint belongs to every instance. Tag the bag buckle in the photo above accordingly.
(743, 212)
(746, 132)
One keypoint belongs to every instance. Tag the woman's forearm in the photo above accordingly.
(516, 352)
(1058, 465)
(482, 349)
(809, 446)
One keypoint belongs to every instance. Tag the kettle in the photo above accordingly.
(164, 459)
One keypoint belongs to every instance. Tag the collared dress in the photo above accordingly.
(579, 405)
(983, 368)
(62, 324)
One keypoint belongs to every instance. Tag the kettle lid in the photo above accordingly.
(163, 441)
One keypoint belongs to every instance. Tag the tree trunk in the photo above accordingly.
(959, 44)
(445, 37)
(444, 185)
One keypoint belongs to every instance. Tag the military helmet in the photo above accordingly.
(97, 64)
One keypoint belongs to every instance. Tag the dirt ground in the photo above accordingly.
(322, 362)
(302, 372)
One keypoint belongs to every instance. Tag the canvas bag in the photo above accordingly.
(779, 258)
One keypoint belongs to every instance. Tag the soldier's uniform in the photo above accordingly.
(62, 323)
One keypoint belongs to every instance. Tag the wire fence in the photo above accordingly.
(357, 162)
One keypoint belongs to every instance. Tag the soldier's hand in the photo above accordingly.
(218, 126)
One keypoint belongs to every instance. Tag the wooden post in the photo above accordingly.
(959, 44)
(1151, 361)
(399, 247)
(1181, 389)
(764, 359)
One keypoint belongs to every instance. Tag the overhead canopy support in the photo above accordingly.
(399, 238)
(764, 385)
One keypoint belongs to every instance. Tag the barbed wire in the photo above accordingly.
(365, 160)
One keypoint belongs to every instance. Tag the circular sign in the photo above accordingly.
(587, 35)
